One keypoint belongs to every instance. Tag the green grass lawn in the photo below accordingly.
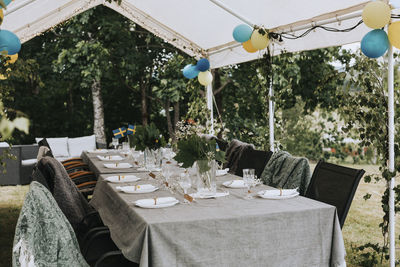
(361, 225)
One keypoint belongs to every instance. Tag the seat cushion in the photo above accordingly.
(4, 144)
(58, 146)
(28, 162)
(79, 144)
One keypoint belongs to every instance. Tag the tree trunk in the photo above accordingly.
(98, 114)
(169, 121)
(144, 104)
(176, 114)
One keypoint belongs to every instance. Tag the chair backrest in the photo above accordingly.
(253, 159)
(43, 234)
(334, 185)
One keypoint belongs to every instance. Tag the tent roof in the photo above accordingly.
(200, 27)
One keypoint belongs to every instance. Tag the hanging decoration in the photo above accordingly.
(10, 44)
(375, 43)
(394, 34)
(376, 15)
(242, 33)
(200, 70)
(259, 39)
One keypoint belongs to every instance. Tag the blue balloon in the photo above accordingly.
(203, 64)
(242, 33)
(6, 2)
(375, 43)
(190, 71)
(9, 42)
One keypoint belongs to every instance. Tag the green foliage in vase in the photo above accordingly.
(196, 148)
(147, 137)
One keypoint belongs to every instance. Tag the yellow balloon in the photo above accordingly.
(249, 47)
(12, 59)
(394, 34)
(376, 14)
(205, 78)
(1, 16)
(258, 40)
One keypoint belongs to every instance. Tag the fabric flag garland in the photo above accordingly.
(131, 129)
(120, 132)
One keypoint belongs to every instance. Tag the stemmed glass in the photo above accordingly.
(115, 142)
(185, 182)
(166, 172)
(248, 180)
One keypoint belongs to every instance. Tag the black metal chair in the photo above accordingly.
(253, 159)
(334, 185)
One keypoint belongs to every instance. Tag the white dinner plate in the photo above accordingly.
(123, 165)
(122, 179)
(234, 184)
(110, 158)
(222, 172)
(162, 202)
(102, 151)
(275, 194)
(137, 189)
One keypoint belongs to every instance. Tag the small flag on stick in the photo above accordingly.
(120, 132)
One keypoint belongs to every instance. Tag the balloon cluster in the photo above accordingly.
(10, 44)
(252, 39)
(200, 70)
(375, 43)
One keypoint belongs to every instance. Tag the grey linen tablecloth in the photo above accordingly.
(228, 231)
(97, 165)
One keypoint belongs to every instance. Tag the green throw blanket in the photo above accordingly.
(285, 171)
(43, 235)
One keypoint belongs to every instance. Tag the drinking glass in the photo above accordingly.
(115, 142)
(185, 182)
(166, 172)
(248, 180)
(125, 146)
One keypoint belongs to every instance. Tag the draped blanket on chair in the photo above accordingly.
(285, 171)
(43, 235)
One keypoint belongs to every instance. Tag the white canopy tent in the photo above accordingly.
(203, 28)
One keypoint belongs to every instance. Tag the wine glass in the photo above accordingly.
(248, 180)
(166, 172)
(185, 182)
(115, 142)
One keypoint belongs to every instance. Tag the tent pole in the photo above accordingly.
(391, 155)
(210, 107)
(233, 13)
(271, 118)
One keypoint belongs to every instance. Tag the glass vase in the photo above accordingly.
(152, 159)
(206, 183)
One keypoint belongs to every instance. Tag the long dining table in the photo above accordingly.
(223, 231)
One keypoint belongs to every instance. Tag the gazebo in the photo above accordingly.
(203, 28)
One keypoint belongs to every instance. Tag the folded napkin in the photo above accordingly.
(235, 184)
(109, 157)
(222, 172)
(156, 201)
(209, 195)
(136, 188)
(143, 169)
(122, 178)
(277, 192)
(122, 165)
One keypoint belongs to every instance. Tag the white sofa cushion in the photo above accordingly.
(4, 144)
(58, 146)
(79, 144)
(28, 162)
